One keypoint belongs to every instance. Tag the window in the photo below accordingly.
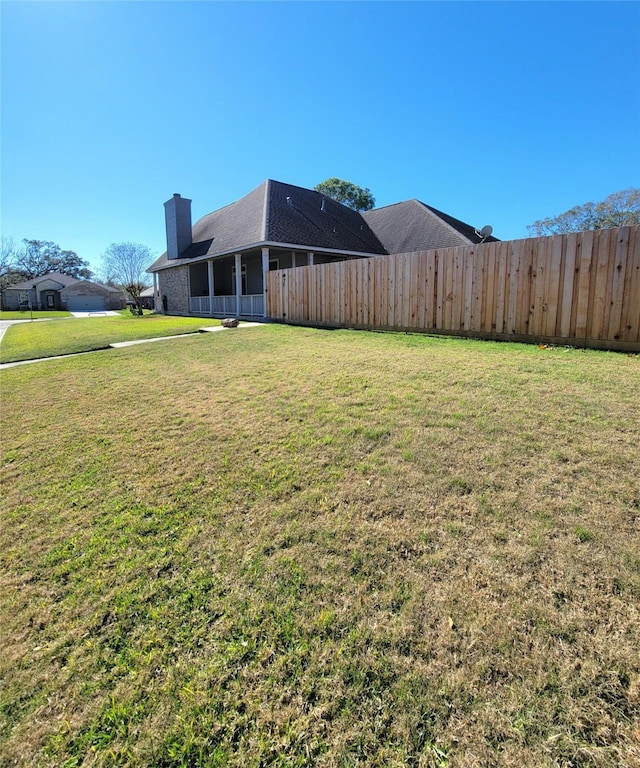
(274, 264)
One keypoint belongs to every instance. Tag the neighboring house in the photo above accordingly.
(147, 299)
(58, 291)
(218, 266)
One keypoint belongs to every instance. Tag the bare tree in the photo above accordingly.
(10, 255)
(125, 265)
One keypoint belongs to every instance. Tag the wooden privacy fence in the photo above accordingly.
(581, 289)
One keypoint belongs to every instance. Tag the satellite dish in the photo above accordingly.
(484, 233)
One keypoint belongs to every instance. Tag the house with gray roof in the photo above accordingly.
(56, 290)
(218, 266)
(147, 298)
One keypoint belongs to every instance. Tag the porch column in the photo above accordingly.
(265, 269)
(211, 287)
(310, 257)
(155, 291)
(293, 259)
(238, 258)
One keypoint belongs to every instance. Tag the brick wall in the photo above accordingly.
(174, 284)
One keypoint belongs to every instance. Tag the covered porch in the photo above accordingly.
(234, 285)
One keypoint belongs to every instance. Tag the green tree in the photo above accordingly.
(40, 257)
(347, 193)
(125, 265)
(621, 209)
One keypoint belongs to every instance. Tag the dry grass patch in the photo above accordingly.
(299, 547)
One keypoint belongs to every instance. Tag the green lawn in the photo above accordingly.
(30, 341)
(7, 314)
(293, 547)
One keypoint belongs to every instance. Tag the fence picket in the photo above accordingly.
(430, 290)
(552, 285)
(633, 306)
(584, 283)
(617, 291)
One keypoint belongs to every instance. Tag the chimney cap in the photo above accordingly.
(176, 194)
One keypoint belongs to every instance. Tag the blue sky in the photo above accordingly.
(498, 113)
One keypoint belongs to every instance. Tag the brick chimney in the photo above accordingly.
(177, 214)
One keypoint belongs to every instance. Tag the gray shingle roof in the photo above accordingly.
(278, 213)
(414, 226)
(230, 228)
(306, 217)
(57, 277)
(63, 280)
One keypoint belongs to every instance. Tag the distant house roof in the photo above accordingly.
(279, 214)
(110, 288)
(88, 286)
(56, 277)
(64, 281)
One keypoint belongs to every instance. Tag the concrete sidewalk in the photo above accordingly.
(212, 329)
(119, 344)
(95, 313)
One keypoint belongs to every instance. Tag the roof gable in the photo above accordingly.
(108, 288)
(48, 284)
(87, 287)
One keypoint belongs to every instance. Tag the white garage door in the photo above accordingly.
(86, 303)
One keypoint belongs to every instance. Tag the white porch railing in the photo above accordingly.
(199, 305)
(250, 306)
(224, 305)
